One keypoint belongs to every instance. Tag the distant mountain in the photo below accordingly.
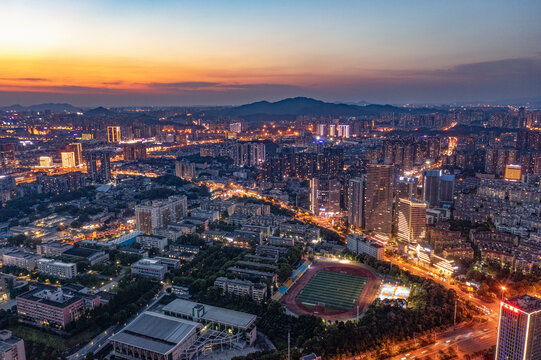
(15, 107)
(54, 107)
(99, 111)
(308, 106)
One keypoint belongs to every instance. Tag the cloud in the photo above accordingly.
(30, 79)
(480, 81)
(190, 85)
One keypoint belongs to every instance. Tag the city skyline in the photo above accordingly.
(179, 53)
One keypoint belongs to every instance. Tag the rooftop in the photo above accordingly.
(156, 332)
(526, 303)
(212, 313)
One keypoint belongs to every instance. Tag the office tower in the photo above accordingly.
(185, 170)
(324, 196)
(134, 151)
(68, 159)
(378, 206)
(406, 188)
(332, 162)
(411, 220)
(438, 188)
(99, 165)
(150, 216)
(113, 134)
(87, 136)
(77, 150)
(519, 329)
(45, 161)
(356, 202)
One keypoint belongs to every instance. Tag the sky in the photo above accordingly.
(227, 52)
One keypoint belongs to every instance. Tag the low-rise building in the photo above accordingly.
(11, 347)
(52, 306)
(21, 259)
(57, 269)
(91, 255)
(52, 248)
(240, 287)
(150, 268)
(152, 241)
(363, 245)
(281, 241)
(156, 336)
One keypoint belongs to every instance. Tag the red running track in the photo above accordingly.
(364, 300)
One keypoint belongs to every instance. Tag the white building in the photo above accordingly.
(20, 259)
(150, 268)
(57, 269)
(362, 245)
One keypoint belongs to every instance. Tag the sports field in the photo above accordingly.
(332, 289)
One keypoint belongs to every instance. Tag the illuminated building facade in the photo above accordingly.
(68, 159)
(77, 150)
(411, 221)
(324, 196)
(113, 134)
(519, 330)
(378, 206)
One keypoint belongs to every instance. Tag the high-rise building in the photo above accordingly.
(113, 134)
(77, 150)
(378, 205)
(249, 154)
(406, 188)
(343, 131)
(45, 161)
(99, 165)
(324, 195)
(160, 213)
(438, 188)
(411, 220)
(235, 127)
(134, 151)
(332, 161)
(68, 159)
(185, 170)
(519, 329)
(356, 202)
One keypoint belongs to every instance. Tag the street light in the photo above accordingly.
(503, 291)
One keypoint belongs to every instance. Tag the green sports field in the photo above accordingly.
(332, 289)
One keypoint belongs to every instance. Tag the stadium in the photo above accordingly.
(332, 290)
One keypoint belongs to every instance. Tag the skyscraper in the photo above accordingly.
(99, 165)
(356, 202)
(113, 134)
(519, 329)
(438, 187)
(324, 195)
(411, 220)
(378, 206)
(332, 161)
(77, 150)
(406, 188)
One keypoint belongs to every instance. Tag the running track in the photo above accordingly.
(365, 299)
